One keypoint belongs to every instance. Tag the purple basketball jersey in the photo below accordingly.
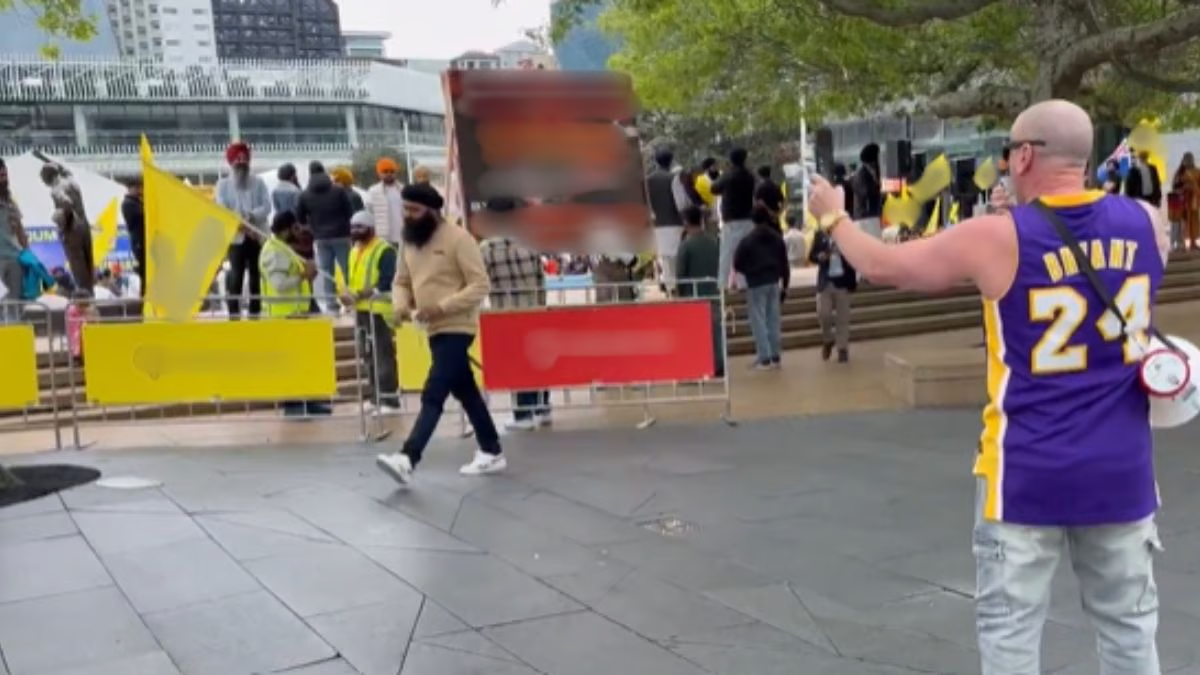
(1066, 437)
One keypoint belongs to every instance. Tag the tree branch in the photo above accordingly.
(1163, 84)
(994, 100)
(912, 13)
(1117, 43)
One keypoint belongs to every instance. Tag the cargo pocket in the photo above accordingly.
(991, 594)
(1148, 599)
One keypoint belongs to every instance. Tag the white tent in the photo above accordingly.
(32, 195)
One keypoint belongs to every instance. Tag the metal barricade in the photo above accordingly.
(32, 398)
(107, 404)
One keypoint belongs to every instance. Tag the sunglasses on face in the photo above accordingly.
(1018, 144)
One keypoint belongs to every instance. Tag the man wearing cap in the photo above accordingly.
(372, 270)
(246, 195)
(383, 202)
(440, 284)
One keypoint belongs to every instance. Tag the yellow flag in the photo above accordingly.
(106, 233)
(1145, 137)
(185, 253)
(954, 213)
(935, 219)
(149, 204)
(934, 179)
(986, 175)
(146, 152)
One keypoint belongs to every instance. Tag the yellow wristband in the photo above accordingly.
(830, 221)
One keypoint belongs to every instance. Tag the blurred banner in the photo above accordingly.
(198, 362)
(600, 344)
(413, 359)
(20, 367)
(564, 143)
(43, 241)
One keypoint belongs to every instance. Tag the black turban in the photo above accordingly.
(423, 194)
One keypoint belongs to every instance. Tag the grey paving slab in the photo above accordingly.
(471, 642)
(660, 611)
(72, 630)
(527, 547)
(117, 532)
(586, 644)
(553, 512)
(426, 659)
(329, 579)
(330, 667)
(151, 663)
(592, 584)
(177, 575)
(48, 567)
(246, 542)
(37, 507)
(242, 635)
(33, 528)
(95, 498)
(434, 621)
(479, 589)
(373, 639)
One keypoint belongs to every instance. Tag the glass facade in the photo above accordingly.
(26, 126)
(277, 29)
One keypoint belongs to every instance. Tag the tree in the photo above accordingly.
(744, 63)
(60, 19)
(362, 164)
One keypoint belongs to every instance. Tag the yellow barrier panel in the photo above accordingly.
(413, 359)
(195, 362)
(20, 367)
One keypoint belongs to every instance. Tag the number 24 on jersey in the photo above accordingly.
(1066, 310)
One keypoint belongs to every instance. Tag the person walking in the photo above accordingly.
(735, 188)
(246, 195)
(1065, 463)
(518, 281)
(761, 258)
(440, 284)
(372, 269)
(663, 189)
(836, 280)
(287, 291)
(325, 208)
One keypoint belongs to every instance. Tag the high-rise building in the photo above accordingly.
(171, 31)
(20, 34)
(277, 29)
(366, 44)
(585, 46)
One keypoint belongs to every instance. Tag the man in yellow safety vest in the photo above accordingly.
(372, 269)
(287, 290)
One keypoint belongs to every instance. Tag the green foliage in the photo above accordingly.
(362, 164)
(61, 19)
(744, 64)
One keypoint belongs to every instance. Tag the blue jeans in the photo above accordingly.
(530, 403)
(732, 234)
(451, 375)
(330, 251)
(763, 305)
(1014, 566)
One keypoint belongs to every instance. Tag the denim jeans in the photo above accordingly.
(763, 305)
(530, 403)
(450, 375)
(330, 251)
(1014, 565)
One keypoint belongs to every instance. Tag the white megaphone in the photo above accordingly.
(1170, 374)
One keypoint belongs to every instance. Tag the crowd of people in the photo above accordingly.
(1142, 181)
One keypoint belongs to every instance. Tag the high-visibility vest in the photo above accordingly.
(289, 306)
(364, 275)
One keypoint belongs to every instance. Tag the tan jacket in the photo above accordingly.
(447, 272)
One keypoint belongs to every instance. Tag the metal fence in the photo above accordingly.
(112, 369)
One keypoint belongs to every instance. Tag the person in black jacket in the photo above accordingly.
(1143, 182)
(868, 191)
(761, 257)
(325, 208)
(735, 189)
(836, 280)
(133, 212)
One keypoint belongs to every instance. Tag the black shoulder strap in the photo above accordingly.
(1084, 261)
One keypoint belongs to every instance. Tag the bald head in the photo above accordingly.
(1063, 127)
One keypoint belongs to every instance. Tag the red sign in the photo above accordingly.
(599, 344)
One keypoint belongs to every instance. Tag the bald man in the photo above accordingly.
(1064, 465)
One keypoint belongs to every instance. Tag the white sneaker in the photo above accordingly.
(543, 420)
(387, 410)
(484, 464)
(397, 465)
(521, 425)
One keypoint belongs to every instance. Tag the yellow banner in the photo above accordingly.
(194, 362)
(20, 367)
(413, 358)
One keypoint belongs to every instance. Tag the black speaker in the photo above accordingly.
(964, 176)
(824, 158)
(898, 159)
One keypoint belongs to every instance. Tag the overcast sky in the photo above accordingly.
(444, 28)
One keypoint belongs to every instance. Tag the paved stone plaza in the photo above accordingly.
(812, 546)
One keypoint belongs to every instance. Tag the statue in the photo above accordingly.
(74, 230)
